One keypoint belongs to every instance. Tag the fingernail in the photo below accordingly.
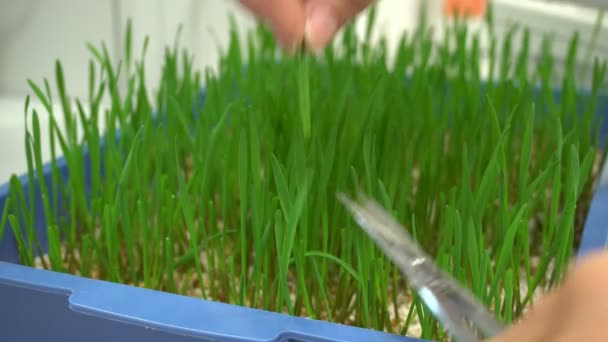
(321, 26)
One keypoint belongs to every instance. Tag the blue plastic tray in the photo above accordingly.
(39, 305)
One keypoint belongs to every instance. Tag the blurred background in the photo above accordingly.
(35, 33)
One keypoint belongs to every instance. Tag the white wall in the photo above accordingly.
(52, 29)
(34, 33)
(205, 24)
(559, 19)
(37, 32)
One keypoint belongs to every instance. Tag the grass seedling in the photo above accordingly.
(231, 197)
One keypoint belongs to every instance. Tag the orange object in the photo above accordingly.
(465, 8)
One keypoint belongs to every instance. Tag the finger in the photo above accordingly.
(285, 17)
(541, 322)
(586, 287)
(324, 18)
(568, 310)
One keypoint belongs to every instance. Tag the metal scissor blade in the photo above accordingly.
(454, 306)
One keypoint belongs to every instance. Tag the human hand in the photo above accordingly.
(577, 311)
(314, 22)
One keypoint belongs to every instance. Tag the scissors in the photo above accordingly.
(464, 317)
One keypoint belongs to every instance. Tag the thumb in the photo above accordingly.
(543, 322)
(286, 18)
(324, 18)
